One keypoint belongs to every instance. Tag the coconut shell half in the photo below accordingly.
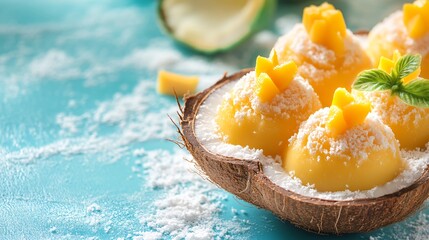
(246, 180)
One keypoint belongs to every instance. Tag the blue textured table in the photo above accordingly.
(82, 130)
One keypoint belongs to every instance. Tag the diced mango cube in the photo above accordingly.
(313, 13)
(263, 65)
(172, 83)
(310, 15)
(396, 56)
(342, 98)
(386, 64)
(274, 57)
(416, 19)
(416, 27)
(318, 31)
(279, 75)
(409, 11)
(336, 21)
(412, 76)
(356, 112)
(326, 26)
(283, 74)
(336, 43)
(266, 90)
(335, 121)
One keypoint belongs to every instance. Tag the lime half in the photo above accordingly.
(214, 25)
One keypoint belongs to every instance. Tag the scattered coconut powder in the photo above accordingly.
(392, 30)
(110, 112)
(190, 208)
(291, 102)
(205, 128)
(316, 60)
(395, 110)
(371, 135)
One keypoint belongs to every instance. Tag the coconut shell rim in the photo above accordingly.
(269, 7)
(198, 99)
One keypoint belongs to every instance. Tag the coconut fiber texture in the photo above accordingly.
(246, 179)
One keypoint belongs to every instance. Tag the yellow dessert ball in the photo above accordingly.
(244, 119)
(409, 124)
(321, 67)
(361, 158)
(392, 34)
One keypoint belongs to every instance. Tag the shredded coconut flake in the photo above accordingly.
(205, 128)
(393, 110)
(191, 206)
(316, 61)
(356, 142)
(392, 30)
(297, 100)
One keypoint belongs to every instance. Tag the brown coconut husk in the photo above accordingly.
(246, 180)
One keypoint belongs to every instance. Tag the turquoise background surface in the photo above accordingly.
(80, 118)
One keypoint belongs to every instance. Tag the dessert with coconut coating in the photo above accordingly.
(406, 31)
(399, 97)
(343, 148)
(266, 106)
(327, 54)
(343, 170)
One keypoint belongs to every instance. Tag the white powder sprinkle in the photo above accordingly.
(54, 64)
(97, 219)
(161, 56)
(392, 30)
(356, 142)
(205, 128)
(129, 114)
(68, 124)
(191, 206)
(72, 103)
(316, 61)
(417, 228)
(297, 100)
(148, 236)
(93, 208)
(53, 230)
(130, 118)
(393, 110)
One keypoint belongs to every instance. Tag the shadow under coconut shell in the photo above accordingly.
(246, 180)
(264, 223)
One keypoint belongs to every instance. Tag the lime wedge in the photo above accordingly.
(211, 26)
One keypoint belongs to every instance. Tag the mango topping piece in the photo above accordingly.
(416, 18)
(336, 122)
(283, 74)
(265, 88)
(346, 111)
(326, 26)
(273, 77)
(387, 65)
(274, 58)
(263, 65)
(172, 83)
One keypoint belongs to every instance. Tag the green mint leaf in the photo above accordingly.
(373, 80)
(415, 93)
(406, 65)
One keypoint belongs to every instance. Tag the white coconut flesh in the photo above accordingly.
(210, 24)
(206, 131)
